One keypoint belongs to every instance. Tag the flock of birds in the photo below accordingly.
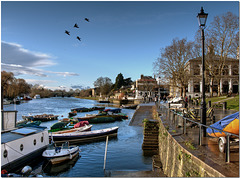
(76, 26)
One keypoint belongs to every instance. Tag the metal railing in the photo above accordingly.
(185, 119)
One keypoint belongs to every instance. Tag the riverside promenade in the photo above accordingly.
(208, 152)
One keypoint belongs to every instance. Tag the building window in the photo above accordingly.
(196, 88)
(225, 70)
(196, 70)
(235, 70)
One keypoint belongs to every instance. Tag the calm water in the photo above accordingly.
(124, 152)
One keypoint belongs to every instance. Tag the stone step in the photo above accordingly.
(153, 135)
(155, 142)
(151, 130)
(150, 143)
(150, 138)
(149, 147)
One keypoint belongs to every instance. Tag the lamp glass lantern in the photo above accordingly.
(202, 18)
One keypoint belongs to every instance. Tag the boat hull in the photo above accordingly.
(63, 159)
(102, 119)
(84, 136)
(42, 118)
(18, 149)
(19, 163)
(62, 156)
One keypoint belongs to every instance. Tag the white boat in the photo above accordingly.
(37, 97)
(82, 136)
(20, 146)
(79, 129)
(56, 154)
(5, 102)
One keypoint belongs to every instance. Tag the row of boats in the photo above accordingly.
(61, 136)
(104, 115)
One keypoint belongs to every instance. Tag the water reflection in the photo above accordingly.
(55, 170)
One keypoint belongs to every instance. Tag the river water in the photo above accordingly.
(124, 152)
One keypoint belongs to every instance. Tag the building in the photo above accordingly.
(229, 79)
(146, 86)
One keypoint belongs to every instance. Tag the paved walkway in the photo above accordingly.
(208, 152)
(143, 111)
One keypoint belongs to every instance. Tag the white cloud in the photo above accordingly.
(21, 61)
(43, 82)
(13, 53)
(21, 70)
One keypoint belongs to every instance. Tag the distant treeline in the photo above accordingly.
(12, 87)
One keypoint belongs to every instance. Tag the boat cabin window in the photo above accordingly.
(34, 142)
(65, 145)
(42, 139)
(5, 153)
(21, 147)
(51, 146)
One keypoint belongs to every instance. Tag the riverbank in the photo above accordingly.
(122, 150)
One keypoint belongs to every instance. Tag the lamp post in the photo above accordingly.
(159, 89)
(202, 18)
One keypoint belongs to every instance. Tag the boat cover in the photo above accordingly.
(81, 124)
(229, 123)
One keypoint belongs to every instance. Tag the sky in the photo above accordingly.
(120, 37)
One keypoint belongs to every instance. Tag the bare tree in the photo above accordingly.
(222, 43)
(172, 64)
(104, 84)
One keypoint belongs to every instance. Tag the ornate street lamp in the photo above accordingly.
(159, 89)
(202, 18)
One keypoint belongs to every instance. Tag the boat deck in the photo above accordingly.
(19, 133)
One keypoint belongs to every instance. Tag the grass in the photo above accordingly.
(232, 103)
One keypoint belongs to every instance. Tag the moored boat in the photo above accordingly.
(72, 113)
(42, 117)
(83, 109)
(97, 119)
(29, 123)
(78, 129)
(112, 113)
(22, 145)
(129, 106)
(58, 154)
(82, 136)
(64, 126)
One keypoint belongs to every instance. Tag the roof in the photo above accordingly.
(26, 131)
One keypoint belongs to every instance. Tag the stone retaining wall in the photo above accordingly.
(177, 161)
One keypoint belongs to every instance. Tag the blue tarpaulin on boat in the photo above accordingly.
(223, 123)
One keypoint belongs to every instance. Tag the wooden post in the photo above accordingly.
(105, 156)
(227, 145)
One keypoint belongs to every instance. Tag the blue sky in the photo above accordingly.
(122, 36)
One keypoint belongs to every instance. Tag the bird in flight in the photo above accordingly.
(67, 32)
(78, 38)
(76, 25)
(86, 19)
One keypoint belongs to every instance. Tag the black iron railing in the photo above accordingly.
(200, 135)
